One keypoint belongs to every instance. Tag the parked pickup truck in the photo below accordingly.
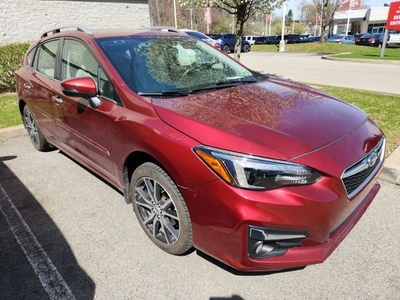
(393, 40)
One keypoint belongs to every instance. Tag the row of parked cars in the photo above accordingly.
(226, 42)
(288, 38)
(367, 39)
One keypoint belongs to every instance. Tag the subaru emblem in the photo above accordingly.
(372, 158)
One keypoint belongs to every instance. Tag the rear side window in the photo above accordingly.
(30, 57)
(45, 59)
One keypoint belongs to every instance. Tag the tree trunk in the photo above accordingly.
(240, 20)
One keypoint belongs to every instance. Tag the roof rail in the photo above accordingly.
(58, 29)
(162, 28)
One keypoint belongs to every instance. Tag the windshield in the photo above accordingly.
(156, 64)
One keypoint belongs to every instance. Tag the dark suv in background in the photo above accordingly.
(267, 40)
(227, 42)
(292, 38)
(275, 39)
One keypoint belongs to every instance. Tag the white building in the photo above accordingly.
(25, 20)
(372, 20)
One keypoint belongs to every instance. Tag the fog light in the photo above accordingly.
(261, 249)
(265, 242)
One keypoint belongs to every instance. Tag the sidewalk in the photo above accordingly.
(391, 168)
(390, 171)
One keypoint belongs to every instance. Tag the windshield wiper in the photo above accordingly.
(236, 81)
(224, 84)
(179, 92)
(186, 92)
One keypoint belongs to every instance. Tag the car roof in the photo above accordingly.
(102, 33)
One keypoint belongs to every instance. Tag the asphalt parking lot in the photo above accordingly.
(376, 76)
(66, 234)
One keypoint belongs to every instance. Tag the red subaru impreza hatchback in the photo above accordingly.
(256, 171)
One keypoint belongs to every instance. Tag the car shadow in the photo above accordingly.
(22, 266)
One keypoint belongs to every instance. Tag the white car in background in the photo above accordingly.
(393, 40)
(250, 38)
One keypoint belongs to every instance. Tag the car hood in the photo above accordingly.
(274, 118)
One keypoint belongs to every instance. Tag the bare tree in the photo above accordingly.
(327, 9)
(308, 13)
(160, 15)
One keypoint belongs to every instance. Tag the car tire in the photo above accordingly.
(226, 49)
(161, 209)
(34, 132)
(246, 48)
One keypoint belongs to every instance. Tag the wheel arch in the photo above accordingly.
(224, 46)
(21, 105)
(134, 160)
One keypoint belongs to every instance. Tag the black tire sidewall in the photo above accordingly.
(226, 49)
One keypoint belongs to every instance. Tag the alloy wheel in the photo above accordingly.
(157, 210)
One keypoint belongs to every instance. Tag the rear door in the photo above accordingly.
(39, 84)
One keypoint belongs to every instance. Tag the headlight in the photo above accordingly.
(256, 173)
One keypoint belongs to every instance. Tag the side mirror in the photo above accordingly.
(81, 87)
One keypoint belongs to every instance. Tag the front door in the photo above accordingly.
(86, 131)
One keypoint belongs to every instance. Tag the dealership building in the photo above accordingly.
(371, 20)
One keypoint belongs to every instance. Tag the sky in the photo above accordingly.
(292, 4)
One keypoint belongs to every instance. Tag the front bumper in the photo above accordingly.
(221, 230)
(244, 228)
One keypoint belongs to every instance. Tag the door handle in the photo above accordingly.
(57, 100)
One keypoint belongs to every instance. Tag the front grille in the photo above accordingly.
(359, 174)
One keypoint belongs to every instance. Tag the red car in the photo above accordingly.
(256, 171)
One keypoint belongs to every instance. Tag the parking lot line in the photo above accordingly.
(47, 273)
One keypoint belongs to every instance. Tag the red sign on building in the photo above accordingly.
(393, 21)
(347, 4)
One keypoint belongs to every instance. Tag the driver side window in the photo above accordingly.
(78, 61)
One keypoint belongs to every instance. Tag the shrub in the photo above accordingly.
(11, 57)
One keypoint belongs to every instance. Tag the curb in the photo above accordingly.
(334, 56)
(390, 170)
(11, 132)
(391, 167)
